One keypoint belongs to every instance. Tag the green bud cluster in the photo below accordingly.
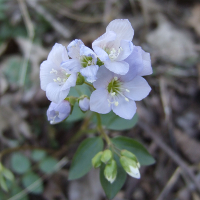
(106, 157)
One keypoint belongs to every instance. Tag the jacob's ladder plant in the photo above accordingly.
(113, 70)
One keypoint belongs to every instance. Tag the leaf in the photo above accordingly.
(3, 184)
(82, 160)
(38, 155)
(112, 189)
(79, 90)
(48, 165)
(8, 174)
(135, 147)
(34, 181)
(76, 115)
(20, 163)
(114, 122)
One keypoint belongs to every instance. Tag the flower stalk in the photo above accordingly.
(103, 134)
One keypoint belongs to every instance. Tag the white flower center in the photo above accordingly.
(115, 89)
(114, 53)
(60, 76)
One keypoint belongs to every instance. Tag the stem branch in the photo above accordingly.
(89, 85)
(99, 126)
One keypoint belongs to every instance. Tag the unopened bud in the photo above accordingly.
(96, 161)
(84, 104)
(110, 171)
(128, 154)
(80, 79)
(130, 166)
(106, 156)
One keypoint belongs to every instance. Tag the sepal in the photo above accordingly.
(80, 79)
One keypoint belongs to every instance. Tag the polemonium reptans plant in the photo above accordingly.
(113, 73)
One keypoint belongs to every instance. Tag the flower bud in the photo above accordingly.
(130, 166)
(106, 156)
(80, 79)
(130, 155)
(58, 112)
(110, 171)
(96, 161)
(84, 104)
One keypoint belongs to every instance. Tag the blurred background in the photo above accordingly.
(168, 124)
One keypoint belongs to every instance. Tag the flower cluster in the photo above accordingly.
(114, 69)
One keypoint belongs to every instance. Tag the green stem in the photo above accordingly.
(99, 126)
(89, 85)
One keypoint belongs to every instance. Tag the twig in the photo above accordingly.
(67, 13)
(133, 8)
(177, 159)
(20, 148)
(146, 18)
(170, 184)
(30, 30)
(55, 24)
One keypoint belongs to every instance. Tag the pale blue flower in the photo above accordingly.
(83, 58)
(58, 112)
(84, 104)
(54, 79)
(114, 46)
(139, 64)
(114, 92)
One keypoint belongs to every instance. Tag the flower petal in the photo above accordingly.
(104, 40)
(103, 56)
(70, 82)
(104, 76)
(124, 109)
(147, 69)
(99, 101)
(127, 48)
(138, 88)
(74, 48)
(71, 66)
(123, 29)
(135, 64)
(90, 72)
(134, 172)
(118, 67)
(55, 93)
(45, 76)
(58, 54)
(86, 51)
